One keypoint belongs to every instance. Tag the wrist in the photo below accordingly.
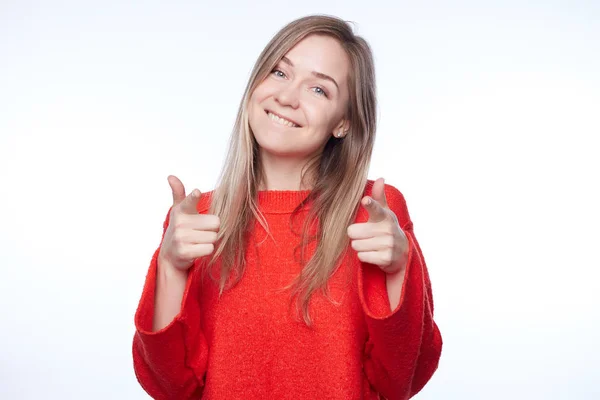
(166, 269)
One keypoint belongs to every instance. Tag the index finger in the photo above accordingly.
(189, 205)
(376, 211)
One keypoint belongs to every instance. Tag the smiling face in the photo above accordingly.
(303, 101)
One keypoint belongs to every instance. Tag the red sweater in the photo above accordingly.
(249, 345)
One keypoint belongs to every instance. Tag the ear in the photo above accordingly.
(342, 127)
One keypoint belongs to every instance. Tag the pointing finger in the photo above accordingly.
(190, 203)
(377, 212)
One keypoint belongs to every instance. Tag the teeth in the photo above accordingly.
(281, 120)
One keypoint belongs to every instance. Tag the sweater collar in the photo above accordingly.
(281, 201)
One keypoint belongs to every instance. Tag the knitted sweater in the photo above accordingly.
(249, 344)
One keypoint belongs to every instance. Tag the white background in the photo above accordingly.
(488, 115)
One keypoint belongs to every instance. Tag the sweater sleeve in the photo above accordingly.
(404, 345)
(169, 363)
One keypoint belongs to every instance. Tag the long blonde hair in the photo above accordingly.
(340, 171)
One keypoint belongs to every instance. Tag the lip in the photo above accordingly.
(284, 117)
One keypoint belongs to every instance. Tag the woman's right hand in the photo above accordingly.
(189, 235)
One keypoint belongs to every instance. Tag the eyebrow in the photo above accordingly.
(315, 73)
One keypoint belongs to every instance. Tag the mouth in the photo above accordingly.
(281, 120)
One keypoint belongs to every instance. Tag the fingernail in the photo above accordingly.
(368, 201)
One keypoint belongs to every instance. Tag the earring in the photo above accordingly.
(339, 134)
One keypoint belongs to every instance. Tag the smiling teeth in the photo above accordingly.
(281, 120)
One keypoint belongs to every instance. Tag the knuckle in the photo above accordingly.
(177, 224)
(178, 248)
(387, 257)
(172, 252)
(178, 237)
(389, 242)
(389, 229)
(183, 254)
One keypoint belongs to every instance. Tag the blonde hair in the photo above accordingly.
(339, 172)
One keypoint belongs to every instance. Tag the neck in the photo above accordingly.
(281, 173)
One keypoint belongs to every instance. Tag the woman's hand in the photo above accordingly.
(380, 241)
(189, 235)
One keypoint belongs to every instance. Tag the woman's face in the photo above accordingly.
(303, 101)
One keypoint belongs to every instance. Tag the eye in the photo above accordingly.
(320, 91)
(278, 73)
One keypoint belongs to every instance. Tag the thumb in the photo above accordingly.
(177, 188)
(378, 192)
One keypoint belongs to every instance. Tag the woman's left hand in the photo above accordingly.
(380, 241)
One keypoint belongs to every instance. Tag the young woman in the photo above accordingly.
(297, 277)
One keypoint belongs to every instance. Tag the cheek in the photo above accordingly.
(254, 105)
(254, 98)
(261, 92)
(320, 117)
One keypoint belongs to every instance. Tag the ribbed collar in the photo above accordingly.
(281, 201)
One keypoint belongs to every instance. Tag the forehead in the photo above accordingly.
(320, 53)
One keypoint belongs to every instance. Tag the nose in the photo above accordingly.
(288, 96)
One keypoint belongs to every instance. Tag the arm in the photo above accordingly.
(404, 344)
(170, 286)
(169, 354)
(394, 284)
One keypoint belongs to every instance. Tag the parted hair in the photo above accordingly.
(338, 174)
